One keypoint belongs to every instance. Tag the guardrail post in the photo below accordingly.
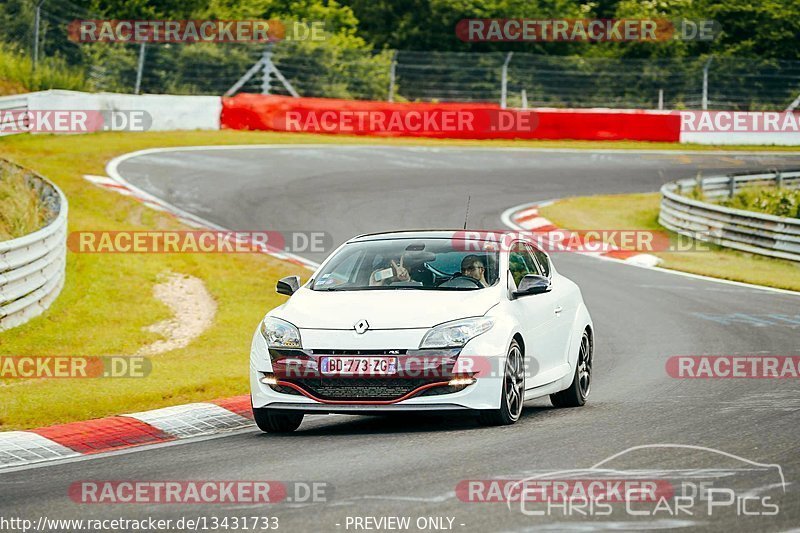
(778, 179)
(731, 186)
(139, 69)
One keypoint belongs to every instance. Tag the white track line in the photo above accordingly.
(112, 169)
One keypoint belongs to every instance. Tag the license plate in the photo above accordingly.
(358, 365)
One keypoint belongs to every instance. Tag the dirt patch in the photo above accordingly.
(193, 310)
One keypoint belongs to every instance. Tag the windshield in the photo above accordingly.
(427, 264)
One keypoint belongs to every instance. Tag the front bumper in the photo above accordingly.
(422, 391)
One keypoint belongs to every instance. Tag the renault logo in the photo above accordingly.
(361, 326)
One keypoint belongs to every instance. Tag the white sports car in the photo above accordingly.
(423, 321)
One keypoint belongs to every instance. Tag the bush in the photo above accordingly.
(769, 200)
(51, 73)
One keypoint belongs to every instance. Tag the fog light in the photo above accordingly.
(269, 379)
(457, 382)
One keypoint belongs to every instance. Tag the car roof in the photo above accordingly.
(409, 234)
(476, 235)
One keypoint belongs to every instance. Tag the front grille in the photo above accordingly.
(359, 388)
(285, 390)
(373, 388)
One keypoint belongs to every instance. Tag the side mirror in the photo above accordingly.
(288, 285)
(533, 284)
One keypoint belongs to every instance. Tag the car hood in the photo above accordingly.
(383, 309)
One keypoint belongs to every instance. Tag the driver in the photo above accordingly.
(473, 267)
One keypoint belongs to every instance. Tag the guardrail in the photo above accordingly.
(733, 228)
(16, 103)
(32, 267)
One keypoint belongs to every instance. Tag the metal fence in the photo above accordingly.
(733, 228)
(32, 267)
(323, 70)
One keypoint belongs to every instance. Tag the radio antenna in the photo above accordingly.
(466, 216)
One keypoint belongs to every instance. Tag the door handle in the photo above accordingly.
(558, 310)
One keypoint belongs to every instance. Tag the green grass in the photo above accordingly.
(107, 301)
(640, 211)
(18, 76)
(21, 208)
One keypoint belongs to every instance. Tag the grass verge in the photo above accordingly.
(21, 209)
(92, 316)
(640, 211)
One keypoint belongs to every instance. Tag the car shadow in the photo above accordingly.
(400, 423)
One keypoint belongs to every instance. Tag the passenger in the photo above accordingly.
(410, 268)
(385, 276)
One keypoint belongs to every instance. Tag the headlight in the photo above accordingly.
(456, 333)
(280, 334)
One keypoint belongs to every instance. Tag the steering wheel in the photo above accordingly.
(460, 280)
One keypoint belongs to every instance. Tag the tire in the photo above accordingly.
(272, 421)
(578, 391)
(512, 392)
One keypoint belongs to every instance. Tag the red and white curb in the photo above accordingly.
(527, 218)
(19, 448)
(123, 187)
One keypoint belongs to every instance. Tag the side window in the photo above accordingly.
(542, 259)
(521, 262)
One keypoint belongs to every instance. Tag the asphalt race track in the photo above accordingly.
(411, 465)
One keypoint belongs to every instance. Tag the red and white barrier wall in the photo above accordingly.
(166, 112)
(488, 121)
(443, 120)
(432, 120)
